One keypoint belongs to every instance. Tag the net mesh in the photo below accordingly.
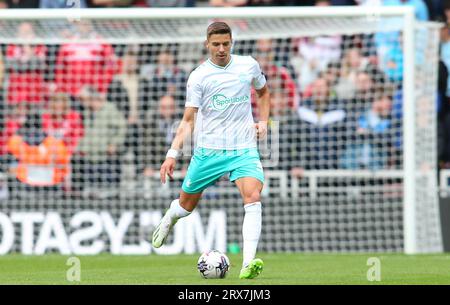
(90, 108)
(428, 220)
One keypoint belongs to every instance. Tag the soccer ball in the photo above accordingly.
(213, 265)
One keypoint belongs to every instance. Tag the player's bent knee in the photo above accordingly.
(251, 197)
(189, 201)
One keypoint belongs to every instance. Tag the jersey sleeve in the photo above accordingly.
(193, 92)
(259, 80)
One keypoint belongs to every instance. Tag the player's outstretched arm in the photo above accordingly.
(184, 130)
(264, 111)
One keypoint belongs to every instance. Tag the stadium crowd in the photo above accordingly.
(82, 107)
(425, 9)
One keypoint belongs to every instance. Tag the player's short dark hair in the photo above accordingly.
(218, 27)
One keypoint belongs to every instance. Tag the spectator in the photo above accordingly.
(109, 3)
(392, 61)
(2, 116)
(278, 77)
(444, 95)
(62, 4)
(352, 62)
(170, 3)
(228, 3)
(298, 2)
(372, 146)
(447, 11)
(280, 51)
(80, 64)
(436, 9)
(231, 3)
(444, 141)
(445, 51)
(388, 43)
(420, 8)
(313, 54)
(129, 91)
(366, 82)
(158, 132)
(13, 116)
(2, 71)
(193, 54)
(43, 161)
(26, 66)
(165, 78)
(365, 43)
(22, 3)
(265, 2)
(322, 128)
(322, 3)
(97, 160)
(331, 74)
(288, 134)
(61, 122)
(342, 2)
(369, 2)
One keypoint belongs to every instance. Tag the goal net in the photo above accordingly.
(91, 100)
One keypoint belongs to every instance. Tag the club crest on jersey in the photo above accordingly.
(221, 102)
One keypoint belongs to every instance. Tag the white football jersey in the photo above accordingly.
(223, 98)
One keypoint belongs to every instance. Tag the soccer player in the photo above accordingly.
(218, 95)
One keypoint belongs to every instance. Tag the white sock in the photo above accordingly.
(176, 211)
(251, 230)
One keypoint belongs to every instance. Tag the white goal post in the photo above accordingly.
(300, 219)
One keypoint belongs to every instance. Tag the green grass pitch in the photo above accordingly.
(279, 269)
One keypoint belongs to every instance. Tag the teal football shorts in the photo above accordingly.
(208, 165)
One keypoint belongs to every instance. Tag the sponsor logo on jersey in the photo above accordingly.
(221, 102)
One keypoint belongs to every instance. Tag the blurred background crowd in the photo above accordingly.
(73, 114)
(429, 9)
